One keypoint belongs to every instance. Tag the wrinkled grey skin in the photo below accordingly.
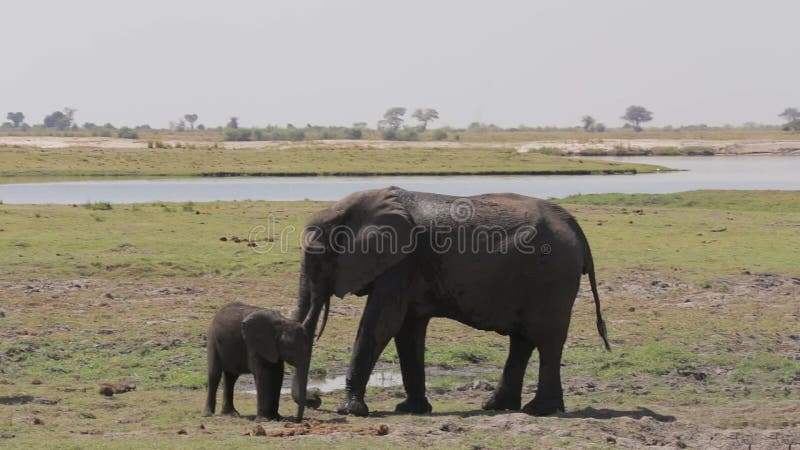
(248, 339)
(528, 297)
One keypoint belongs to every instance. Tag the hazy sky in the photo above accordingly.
(343, 61)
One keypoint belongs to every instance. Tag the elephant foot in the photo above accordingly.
(353, 406)
(544, 407)
(229, 412)
(267, 418)
(417, 406)
(499, 402)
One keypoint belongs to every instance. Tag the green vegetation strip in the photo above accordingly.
(21, 163)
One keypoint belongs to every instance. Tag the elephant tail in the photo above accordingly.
(588, 268)
(601, 325)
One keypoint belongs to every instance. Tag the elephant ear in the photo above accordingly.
(258, 331)
(379, 230)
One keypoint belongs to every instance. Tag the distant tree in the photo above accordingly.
(424, 116)
(393, 117)
(635, 115)
(89, 126)
(109, 126)
(69, 113)
(360, 125)
(599, 128)
(16, 118)
(57, 120)
(789, 114)
(233, 122)
(792, 126)
(588, 123)
(201, 127)
(191, 118)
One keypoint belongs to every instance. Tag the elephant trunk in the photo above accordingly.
(299, 387)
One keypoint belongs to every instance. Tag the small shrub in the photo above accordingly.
(439, 135)
(408, 135)
(127, 133)
(237, 134)
(354, 133)
(389, 135)
(188, 207)
(98, 206)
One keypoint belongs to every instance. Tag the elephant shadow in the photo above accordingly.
(605, 413)
(584, 413)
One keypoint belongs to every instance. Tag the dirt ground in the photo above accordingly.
(726, 147)
(710, 407)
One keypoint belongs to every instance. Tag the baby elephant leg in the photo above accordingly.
(227, 401)
(269, 380)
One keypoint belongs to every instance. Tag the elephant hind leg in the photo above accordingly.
(227, 400)
(549, 397)
(508, 393)
(410, 343)
(214, 375)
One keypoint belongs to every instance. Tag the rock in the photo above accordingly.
(86, 415)
(2, 313)
(699, 376)
(109, 389)
(106, 390)
(36, 381)
(108, 295)
(680, 444)
(451, 427)
(481, 385)
(719, 229)
(223, 239)
(38, 421)
(182, 431)
(611, 440)
(631, 309)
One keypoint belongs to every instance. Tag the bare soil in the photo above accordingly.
(635, 412)
(723, 147)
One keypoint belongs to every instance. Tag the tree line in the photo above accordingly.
(392, 126)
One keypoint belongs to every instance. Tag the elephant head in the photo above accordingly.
(348, 245)
(276, 338)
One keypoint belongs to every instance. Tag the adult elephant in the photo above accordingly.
(500, 262)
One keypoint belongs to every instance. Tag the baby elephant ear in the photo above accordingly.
(258, 330)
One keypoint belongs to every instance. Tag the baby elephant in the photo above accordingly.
(249, 339)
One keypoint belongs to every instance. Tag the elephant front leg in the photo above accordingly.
(410, 343)
(508, 393)
(268, 390)
(380, 322)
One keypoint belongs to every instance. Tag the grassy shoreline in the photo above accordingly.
(20, 163)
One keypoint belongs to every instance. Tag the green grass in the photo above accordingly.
(23, 163)
(730, 200)
(125, 293)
